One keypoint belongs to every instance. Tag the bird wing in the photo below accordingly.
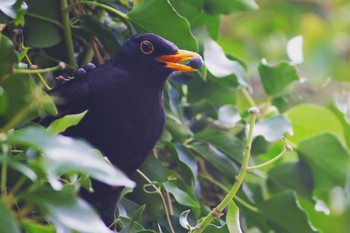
(71, 97)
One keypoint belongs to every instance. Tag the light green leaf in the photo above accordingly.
(61, 124)
(65, 155)
(8, 222)
(159, 17)
(309, 120)
(232, 219)
(277, 79)
(328, 160)
(229, 115)
(229, 6)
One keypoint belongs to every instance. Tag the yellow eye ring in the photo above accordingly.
(146, 47)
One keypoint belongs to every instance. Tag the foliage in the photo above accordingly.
(217, 167)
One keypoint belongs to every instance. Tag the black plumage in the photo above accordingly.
(125, 107)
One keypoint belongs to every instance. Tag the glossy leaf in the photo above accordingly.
(308, 120)
(63, 208)
(228, 115)
(277, 79)
(61, 124)
(180, 196)
(38, 228)
(223, 141)
(146, 17)
(65, 155)
(6, 6)
(232, 219)
(285, 213)
(216, 158)
(328, 160)
(292, 177)
(273, 128)
(7, 219)
(219, 65)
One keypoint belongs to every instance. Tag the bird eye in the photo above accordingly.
(146, 47)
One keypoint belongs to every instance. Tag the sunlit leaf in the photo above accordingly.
(65, 208)
(228, 115)
(229, 6)
(65, 155)
(295, 49)
(273, 128)
(61, 124)
(328, 159)
(232, 219)
(308, 120)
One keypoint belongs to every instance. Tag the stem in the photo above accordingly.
(4, 178)
(247, 95)
(54, 22)
(158, 190)
(239, 178)
(35, 71)
(287, 147)
(222, 187)
(67, 33)
(41, 78)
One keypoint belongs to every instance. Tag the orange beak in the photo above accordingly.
(171, 61)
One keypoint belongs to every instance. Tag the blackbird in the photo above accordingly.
(126, 113)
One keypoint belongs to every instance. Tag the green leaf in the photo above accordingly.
(63, 208)
(65, 155)
(19, 166)
(30, 227)
(211, 228)
(180, 196)
(229, 6)
(178, 130)
(273, 128)
(39, 31)
(219, 65)
(309, 120)
(165, 22)
(183, 220)
(277, 79)
(223, 141)
(60, 125)
(292, 177)
(26, 98)
(328, 160)
(7, 55)
(284, 212)
(232, 218)
(216, 158)
(8, 222)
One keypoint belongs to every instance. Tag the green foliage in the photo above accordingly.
(200, 162)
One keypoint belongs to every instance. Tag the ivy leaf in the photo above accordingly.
(328, 159)
(146, 16)
(180, 196)
(277, 79)
(273, 128)
(64, 208)
(61, 124)
(293, 220)
(7, 55)
(65, 155)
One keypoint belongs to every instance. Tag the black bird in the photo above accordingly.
(124, 100)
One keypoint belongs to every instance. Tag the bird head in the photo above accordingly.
(152, 51)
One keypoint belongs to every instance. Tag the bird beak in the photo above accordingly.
(171, 61)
